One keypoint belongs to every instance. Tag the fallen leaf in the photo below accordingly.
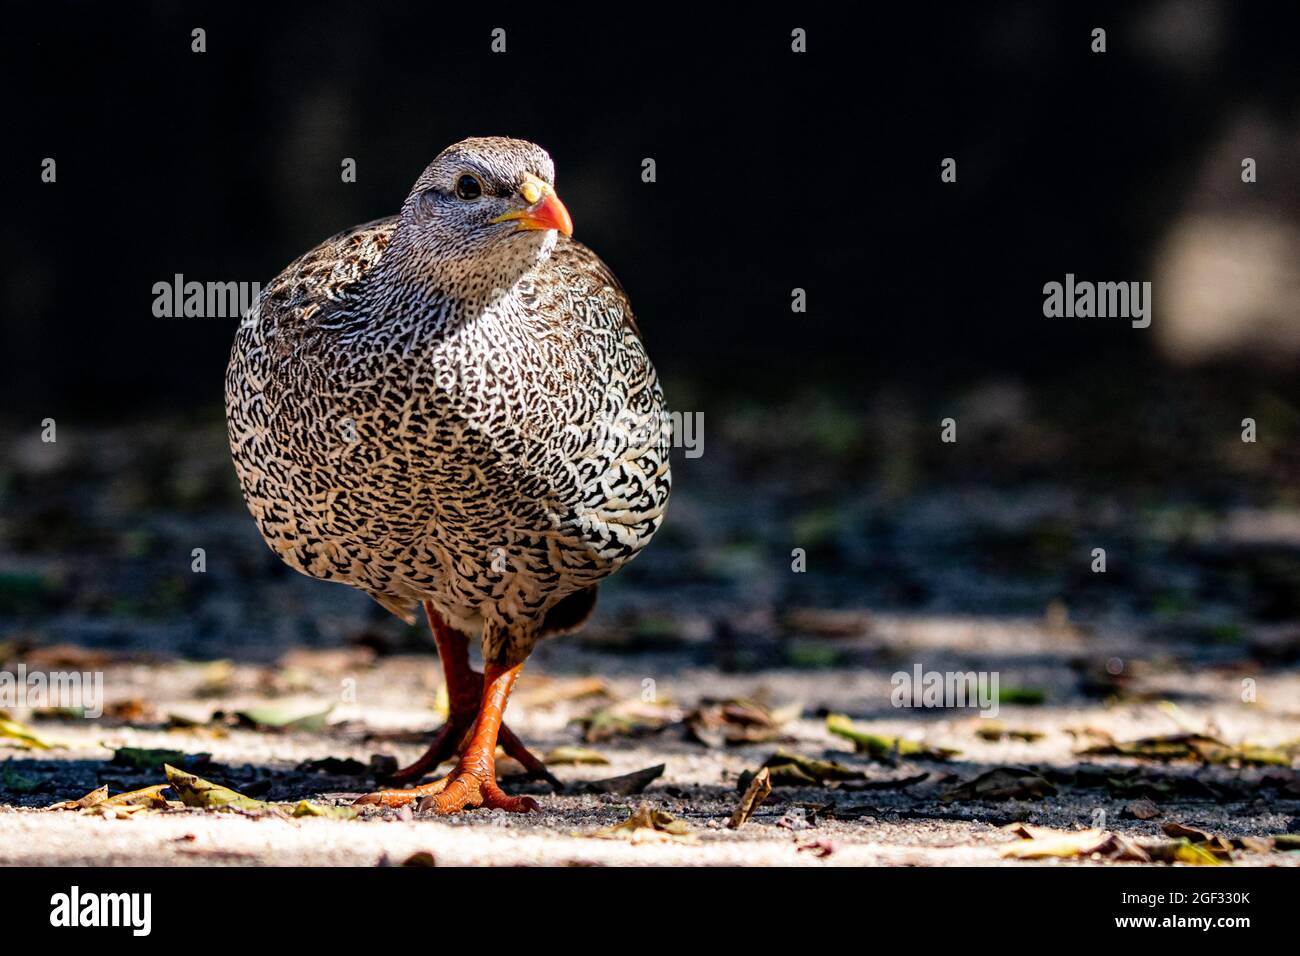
(197, 792)
(285, 719)
(89, 800)
(758, 790)
(282, 681)
(995, 730)
(306, 808)
(624, 785)
(1030, 831)
(26, 737)
(782, 775)
(147, 798)
(1135, 782)
(134, 710)
(1070, 843)
(1046, 842)
(1189, 746)
(735, 722)
(1002, 783)
(1254, 844)
(1217, 845)
(884, 748)
(535, 691)
(632, 718)
(792, 770)
(126, 805)
(216, 678)
(1178, 830)
(1181, 851)
(1142, 809)
(895, 783)
(561, 756)
(649, 825)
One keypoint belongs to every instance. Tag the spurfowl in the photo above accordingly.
(453, 407)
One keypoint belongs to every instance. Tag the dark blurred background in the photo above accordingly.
(775, 170)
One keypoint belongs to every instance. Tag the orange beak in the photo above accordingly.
(545, 211)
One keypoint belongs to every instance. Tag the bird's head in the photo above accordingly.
(485, 209)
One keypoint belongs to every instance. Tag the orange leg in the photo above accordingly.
(474, 781)
(465, 690)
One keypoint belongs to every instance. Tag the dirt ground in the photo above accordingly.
(840, 824)
(968, 565)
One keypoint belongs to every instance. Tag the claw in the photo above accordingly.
(473, 782)
(398, 798)
(467, 789)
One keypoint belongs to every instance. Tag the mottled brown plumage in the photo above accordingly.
(454, 406)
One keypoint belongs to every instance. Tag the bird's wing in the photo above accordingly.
(311, 289)
(575, 258)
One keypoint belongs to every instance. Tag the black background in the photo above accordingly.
(775, 170)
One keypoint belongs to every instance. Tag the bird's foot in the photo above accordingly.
(449, 739)
(471, 786)
(445, 745)
(398, 798)
(474, 781)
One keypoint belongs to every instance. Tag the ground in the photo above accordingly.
(795, 826)
(976, 564)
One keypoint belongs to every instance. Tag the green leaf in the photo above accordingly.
(574, 755)
(305, 808)
(884, 748)
(1182, 851)
(197, 792)
(282, 718)
(13, 730)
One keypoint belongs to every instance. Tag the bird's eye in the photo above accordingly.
(467, 187)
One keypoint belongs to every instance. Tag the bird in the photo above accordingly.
(452, 408)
